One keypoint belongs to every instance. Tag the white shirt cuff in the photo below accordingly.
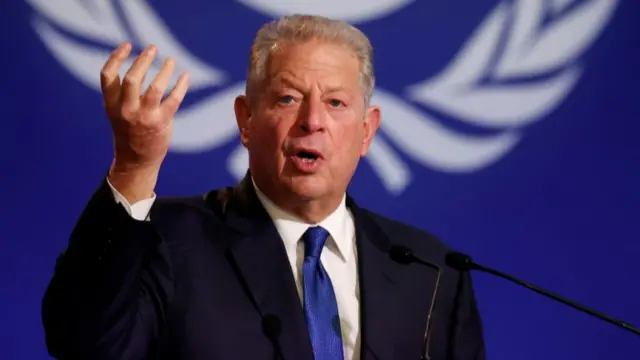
(139, 210)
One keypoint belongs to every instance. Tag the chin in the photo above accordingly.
(307, 186)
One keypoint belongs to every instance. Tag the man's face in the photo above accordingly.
(308, 127)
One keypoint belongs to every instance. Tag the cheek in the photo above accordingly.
(267, 136)
(348, 139)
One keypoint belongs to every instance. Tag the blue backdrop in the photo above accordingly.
(510, 131)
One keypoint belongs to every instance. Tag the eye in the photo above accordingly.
(335, 103)
(286, 99)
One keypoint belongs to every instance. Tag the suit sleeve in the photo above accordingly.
(467, 333)
(139, 210)
(110, 291)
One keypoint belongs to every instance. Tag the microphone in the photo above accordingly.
(463, 262)
(272, 327)
(404, 255)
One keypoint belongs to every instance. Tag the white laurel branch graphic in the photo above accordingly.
(97, 21)
(351, 11)
(472, 88)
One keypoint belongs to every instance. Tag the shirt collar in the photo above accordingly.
(291, 228)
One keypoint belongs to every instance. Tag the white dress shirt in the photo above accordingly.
(338, 257)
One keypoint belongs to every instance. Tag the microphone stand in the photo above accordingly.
(464, 262)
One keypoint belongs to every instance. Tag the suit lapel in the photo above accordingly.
(261, 259)
(377, 274)
(394, 297)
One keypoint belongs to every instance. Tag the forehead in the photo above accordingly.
(314, 62)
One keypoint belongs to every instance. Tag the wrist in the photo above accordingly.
(133, 182)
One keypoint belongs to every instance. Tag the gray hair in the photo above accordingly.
(303, 28)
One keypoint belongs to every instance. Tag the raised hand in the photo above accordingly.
(141, 121)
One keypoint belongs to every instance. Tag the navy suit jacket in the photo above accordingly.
(208, 278)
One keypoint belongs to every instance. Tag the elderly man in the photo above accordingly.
(285, 264)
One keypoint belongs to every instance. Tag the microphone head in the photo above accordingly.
(401, 254)
(459, 261)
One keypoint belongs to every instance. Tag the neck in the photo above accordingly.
(311, 211)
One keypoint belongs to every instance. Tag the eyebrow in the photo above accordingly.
(280, 81)
(331, 89)
(283, 81)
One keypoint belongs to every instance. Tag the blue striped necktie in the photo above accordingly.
(320, 305)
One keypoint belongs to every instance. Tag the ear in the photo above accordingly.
(371, 124)
(243, 117)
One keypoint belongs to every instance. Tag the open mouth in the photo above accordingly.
(307, 161)
(307, 156)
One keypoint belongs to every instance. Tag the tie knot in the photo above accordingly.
(314, 239)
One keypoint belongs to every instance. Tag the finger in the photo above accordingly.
(171, 104)
(132, 81)
(156, 89)
(109, 75)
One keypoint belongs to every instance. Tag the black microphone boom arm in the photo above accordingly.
(464, 262)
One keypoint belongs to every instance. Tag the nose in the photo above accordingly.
(313, 116)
